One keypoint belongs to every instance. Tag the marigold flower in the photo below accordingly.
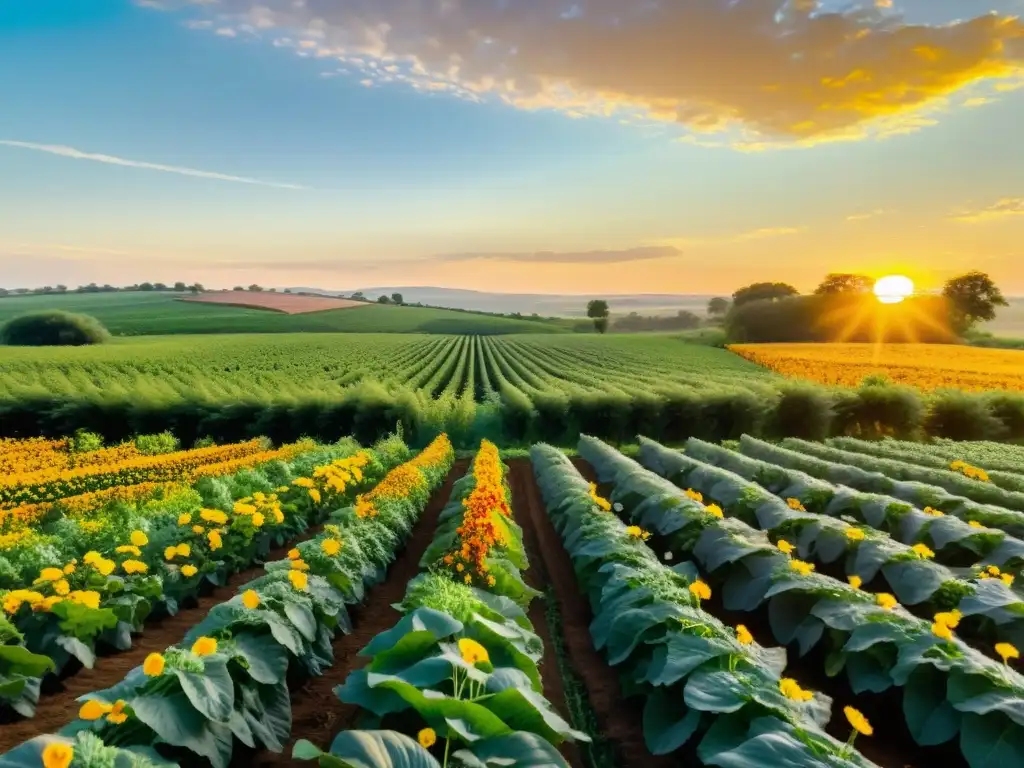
(139, 538)
(468, 579)
(91, 557)
(258, 519)
(855, 581)
(188, 571)
(942, 631)
(700, 590)
(427, 738)
(804, 569)
(791, 689)
(795, 504)
(858, 721)
(785, 547)
(184, 519)
(134, 566)
(1007, 652)
(299, 565)
(250, 599)
(855, 534)
(472, 652)
(204, 646)
(216, 542)
(128, 549)
(975, 524)
(169, 553)
(695, 495)
(105, 567)
(198, 529)
(743, 636)
(183, 550)
(93, 709)
(932, 512)
(88, 597)
(1007, 579)
(491, 581)
(298, 579)
(154, 665)
(331, 547)
(714, 510)
(993, 570)
(887, 601)
(117, 714)
(58, 755)
(50, 574)
(69, 569)
(950, 618)
(922, 551)
(294, 554)
(61, 587)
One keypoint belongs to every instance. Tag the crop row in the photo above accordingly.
(226, 682)
(948, 687)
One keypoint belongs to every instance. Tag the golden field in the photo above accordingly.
(925, 366)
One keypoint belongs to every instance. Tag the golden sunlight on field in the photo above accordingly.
(925, 366)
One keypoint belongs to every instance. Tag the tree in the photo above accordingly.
(597, 310)
(972, 298)
(396, 298)
(762, 292)
(238, 288)
(180, 287)
(53, 328)
(359, 296)
(196, 288)
(255, 288)
(383, 299)
(160, 287)
(718, 306)
(146, 287)
(841, 282)
(62, 289)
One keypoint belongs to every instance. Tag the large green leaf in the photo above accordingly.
(19, 660)
(715, 691)
(173, 718)
(435, 707)
(516, 750)
(523, 709)
(930, 717)
(211, 691)
(369, 749)
(991, 741)
(681, 653)
(978, 694)
(438, 623)
(668, 722)
(267, 660)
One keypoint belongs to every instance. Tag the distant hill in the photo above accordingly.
(546, 305)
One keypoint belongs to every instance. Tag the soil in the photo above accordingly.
(619, 721)
(58, 706)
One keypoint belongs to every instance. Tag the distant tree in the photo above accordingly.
(272, 290)
(4, 292)
(62, 289)
(972, 298)
(146, 287)
(180, 287)
(287, 290)
(842, 282)
(762, 292)
(160, 287)
(238, 288)
(396, 298)
(108, 288)
(255, 288)
(196, 288)
(383, 300)
(718, 306)
(597, 310)
(359, 296)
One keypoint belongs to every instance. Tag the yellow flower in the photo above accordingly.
(188, 571)
(314, 494)
(695, 495)
(975, 524)
(281, 489)
(298, 579)
(700, 590)
(139, 539)
(250, 599)
(91, 557)
(330, 547)
(887, 601)
(855, 534)
(50, 574)
(993, 569)
(184, 519)
(61, 587)
(117, 714)
(932, 512)
(198, 529)
(294, 554)
(468, 579)
(300, 565)
(427, 738)
(89, 598)
(58, 755)
(69, 569)
(715, 510)
(214, 516)
(204, 646)
(154, 664)
(491, 581)
(941, 630)
(855, 581)
(1007, 651)
(743, 636)
(634, 531)
(216, 542)
(93, 710)
(105, 567)
(795, 504)
(949, 618)
(128, 549)
(792, 690)
(858, 721)
(1007, 579)
(258, 519)
(785, 547)
(922, 551)
(804, 569)
(472, 652)
(134, 566)
(169, 553)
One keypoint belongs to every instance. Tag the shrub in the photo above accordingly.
(150, 445)
(53, 328)
(802, 411)
(876, 410)
(84, 441)
(960, 416)
(1008, 408)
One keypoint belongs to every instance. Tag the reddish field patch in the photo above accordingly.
(289, 303)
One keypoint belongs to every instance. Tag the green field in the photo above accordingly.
(156, 314)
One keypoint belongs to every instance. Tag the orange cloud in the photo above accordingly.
(1007, 207)
(801, 74)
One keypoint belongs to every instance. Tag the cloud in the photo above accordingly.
(864, 216)
(791, 71)
(77, 154)
(1008, 206)
(642, 253)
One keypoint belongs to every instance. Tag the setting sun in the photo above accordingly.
(893, 289)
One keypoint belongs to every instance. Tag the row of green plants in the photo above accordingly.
(954, 541)
(78, 585)
(949, 689)
(983, 597)
(919, 494)
(955, 482)
(456, 681)
(1002, 469)
(226, 683)
(704, 684)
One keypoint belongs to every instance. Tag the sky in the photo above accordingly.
(545, 146)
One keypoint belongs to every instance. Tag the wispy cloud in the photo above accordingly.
(865, 215)
(642, 253)
(77, 154)
(792, 71)
(1008, 206)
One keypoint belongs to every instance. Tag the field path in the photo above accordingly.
(619, 721)
(58, 708)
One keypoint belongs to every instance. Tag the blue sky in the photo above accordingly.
(501, 146)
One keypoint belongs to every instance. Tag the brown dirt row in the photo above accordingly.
(58, 708)
(619, 720)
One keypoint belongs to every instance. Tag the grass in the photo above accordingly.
(161, 314)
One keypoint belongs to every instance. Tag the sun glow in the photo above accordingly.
(892, 289)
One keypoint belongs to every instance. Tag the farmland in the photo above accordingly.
(926, 366)
(760, 604)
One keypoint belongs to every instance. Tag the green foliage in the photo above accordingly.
(53, 328)
(84, 441)
(972, 298)
(151, 445)
(836, 282)
(762, 292)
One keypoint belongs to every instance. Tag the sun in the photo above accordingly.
(892, 289)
